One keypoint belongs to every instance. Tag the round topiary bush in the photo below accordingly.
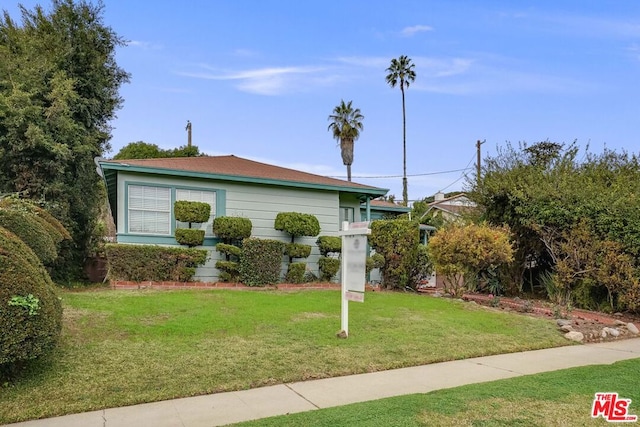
(53, 226)
(30, 311)
(30, 229)
(232, 228)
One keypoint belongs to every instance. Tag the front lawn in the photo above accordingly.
(560, 398)
(125, 347)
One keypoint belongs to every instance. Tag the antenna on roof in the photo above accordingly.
(188, 128)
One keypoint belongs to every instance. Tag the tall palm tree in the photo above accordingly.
(346, 124)
(401, 72)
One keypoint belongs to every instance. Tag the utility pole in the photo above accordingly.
(478, 164)
(188, 128)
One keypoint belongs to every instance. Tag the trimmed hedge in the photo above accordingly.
(32, 231)
(189, 236)
(30, 311)
(261, 261)
(295, 272)
(297, 250)
(229, 271)
(297, 224)
(328, 244)
(230, 228)
(328, 268)
(229, 250)
(187, 211)
(153, 263)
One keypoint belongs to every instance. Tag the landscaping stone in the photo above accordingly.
(632, 328)
(619, 323)
(604, 333)
(563, 322)
(574, 336)
(566, 328)
(614, 332)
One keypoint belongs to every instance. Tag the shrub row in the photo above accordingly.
(153, 263)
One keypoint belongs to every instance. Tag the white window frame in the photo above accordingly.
(149, 209)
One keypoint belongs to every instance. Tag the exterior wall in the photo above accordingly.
(259, 203)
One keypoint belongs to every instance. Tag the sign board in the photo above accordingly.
(354, 260)
(355, 296)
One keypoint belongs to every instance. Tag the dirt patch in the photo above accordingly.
(308, 315)
(590, 323)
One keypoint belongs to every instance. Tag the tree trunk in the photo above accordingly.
(405, 193)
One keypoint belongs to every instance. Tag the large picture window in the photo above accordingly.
(198, 196)
(149, 209)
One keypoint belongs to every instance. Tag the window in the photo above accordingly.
(346, 214)
(198, 196)
(149, 209)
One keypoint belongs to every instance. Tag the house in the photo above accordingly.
(382, 209)
(141, 194)
(451, 208)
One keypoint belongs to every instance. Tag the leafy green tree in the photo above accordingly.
(59, 84)
(145, 150)
(346, 125)
(401, 73)
(140, 150)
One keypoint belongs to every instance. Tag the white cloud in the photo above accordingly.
(266, 81)
(412, 31)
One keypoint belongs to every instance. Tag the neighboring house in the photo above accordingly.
(142, 192)
(451, 208)
(381, 209)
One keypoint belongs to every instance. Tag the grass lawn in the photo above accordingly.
(560, 398)
(125, 347)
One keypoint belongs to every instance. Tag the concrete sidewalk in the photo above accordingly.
(233, 407)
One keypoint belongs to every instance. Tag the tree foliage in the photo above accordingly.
(59, 84)
(468, 255)
(401, 73)
(397, 241)
(556, 201)
(346, 125)
(145, 150)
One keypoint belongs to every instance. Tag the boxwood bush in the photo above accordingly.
(261, 261)
(328, 268)
(153, 263)
(32, 231)
(295, 272)
(232, 228)
(29, 206)
(297, 224)
(30, 311)
(189, 236)
(329, 244)
(187, 211)
(297, 250)
(229, 251)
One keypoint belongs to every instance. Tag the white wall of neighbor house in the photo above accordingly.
(259, 203)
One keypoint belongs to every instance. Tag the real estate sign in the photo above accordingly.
(353, 268)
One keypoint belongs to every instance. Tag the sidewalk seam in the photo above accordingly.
(314, 405)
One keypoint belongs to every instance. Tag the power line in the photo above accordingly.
(400, 176)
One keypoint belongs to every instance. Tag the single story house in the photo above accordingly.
(141, 194)
(451, 208)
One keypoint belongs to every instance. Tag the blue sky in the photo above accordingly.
(258, 79)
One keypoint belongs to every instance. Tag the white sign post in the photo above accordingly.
(353, 268)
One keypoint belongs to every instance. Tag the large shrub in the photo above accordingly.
(261, 261)
(468, 254)
(397, 241)
(30, 311)
(153, 263)
(32, 231)
(54, 227)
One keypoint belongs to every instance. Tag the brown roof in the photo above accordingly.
(385, 204)
(240, 167)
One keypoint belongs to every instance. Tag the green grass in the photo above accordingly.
(126, 347)
(560, 398)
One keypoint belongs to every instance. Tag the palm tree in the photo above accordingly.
(346, 124)
(401, 71)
